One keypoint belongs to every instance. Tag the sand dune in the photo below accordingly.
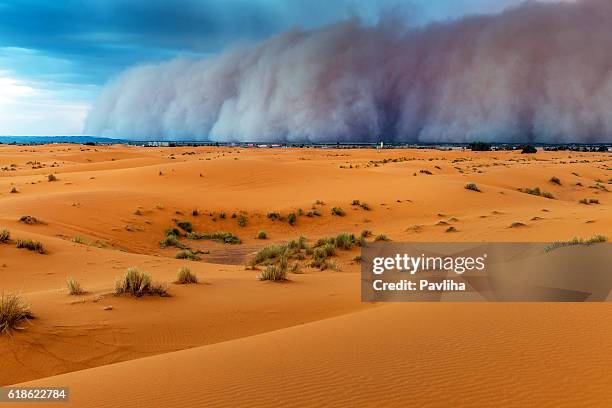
(234, 340)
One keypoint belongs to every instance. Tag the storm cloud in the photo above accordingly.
(539, 72)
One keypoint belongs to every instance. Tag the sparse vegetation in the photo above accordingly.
(291, 219)
(451, 229)
(262, 235)
(74, 287)
(31, 245)
(14, 190)
(517, 224)
(338, 211)
(242, 221)
(472, 186)
(13, 311)
(171, 240)
(537, 192)
(51, 177)
(277, 273)
(185, 225)
(219, 236)
(588, 201)
(427, 172)
(381, 238)
(28, 219)
(137, 283)
(274, 216)
(555, 180)
(313, 213)
(187, 254)
(185, 276)
(5, 236)
(597, 239)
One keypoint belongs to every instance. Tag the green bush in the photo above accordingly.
(262, 235)
(242, 221)
(291, 218)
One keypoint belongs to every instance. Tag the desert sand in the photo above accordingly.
(233, 340)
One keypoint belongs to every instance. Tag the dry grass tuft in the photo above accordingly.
(74, 287)
(185, 276)
(137, 283)
(13, 310)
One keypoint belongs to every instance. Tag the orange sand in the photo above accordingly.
(308, 342)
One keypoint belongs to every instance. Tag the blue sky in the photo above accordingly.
(56, 55)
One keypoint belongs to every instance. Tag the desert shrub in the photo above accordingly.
(548, 195)
(451, 229)
(79, 240)
(584, 201)
(274, 216)
(14, 190)
(138, 211)
(313, 213)
(185, 276)
(593, 201)
(222, 215)
(533, 191)
(185, 225)
(137, 283)
(345, 241)
(356, 202)
(319, 202)
(365, 206)
(338, 211)
(381, 238)
(195, 212)
(172, 231)
(242, 221)
(517, 224)
(13, 310)
(297, 244)
(31, 245)
(171, 240)
(28, 219)
(276, 272)
(74, 287)
(51, 177)
(5, 236)
(357, 258)
(555, 180)
(187, 254)
(472, 186)
(597, 239)
(427, 172)
(291, 218)
(219, 236)
(262, 235)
